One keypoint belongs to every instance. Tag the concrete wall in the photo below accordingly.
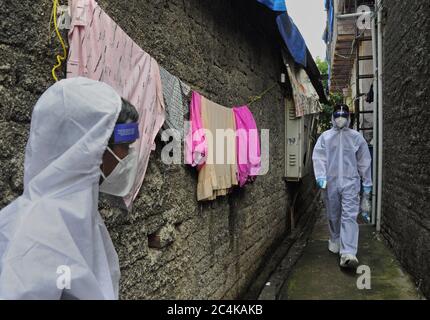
(406, 189)
(227, 50)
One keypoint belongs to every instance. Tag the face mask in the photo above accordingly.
(341, 122)
(121, 179)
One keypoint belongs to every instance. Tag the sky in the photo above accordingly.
(310, 17)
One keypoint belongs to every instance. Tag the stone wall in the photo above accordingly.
(229, 51)
(406, 182)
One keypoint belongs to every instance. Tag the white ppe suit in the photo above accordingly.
(342, 157)
(53, 241)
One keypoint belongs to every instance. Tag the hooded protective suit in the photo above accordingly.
(342, 156)
(54, 233)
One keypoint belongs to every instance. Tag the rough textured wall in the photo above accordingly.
(406, 189)
(228, 51)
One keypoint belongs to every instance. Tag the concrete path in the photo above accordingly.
(317, 274)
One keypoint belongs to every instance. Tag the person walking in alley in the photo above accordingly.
(341, 157)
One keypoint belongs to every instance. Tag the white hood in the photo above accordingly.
(56, 221)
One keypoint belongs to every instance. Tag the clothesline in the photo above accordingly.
(102, 51)
(261, 95)
(252, 100)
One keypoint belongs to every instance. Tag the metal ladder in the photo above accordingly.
(359, 40)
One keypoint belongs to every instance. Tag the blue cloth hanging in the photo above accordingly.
(292, 38)
(330, 14)
(275, 5)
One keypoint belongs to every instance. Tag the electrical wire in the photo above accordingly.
(60, 58)
(261, 95)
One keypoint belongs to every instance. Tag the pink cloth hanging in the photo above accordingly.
(248, 153)
(196, 146)
(247, 144)
(101, 50)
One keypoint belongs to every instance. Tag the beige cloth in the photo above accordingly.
(218, 175)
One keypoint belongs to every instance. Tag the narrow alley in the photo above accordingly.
(317, 275)
(198, 151)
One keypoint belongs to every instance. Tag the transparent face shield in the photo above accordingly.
(120, 181)
(341, 118)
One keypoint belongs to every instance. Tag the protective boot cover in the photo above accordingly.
(53, 241)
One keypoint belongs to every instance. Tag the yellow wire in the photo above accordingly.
(260, 96)
(60, 58)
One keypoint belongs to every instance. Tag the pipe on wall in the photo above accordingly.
(380, 116)
(375, 119)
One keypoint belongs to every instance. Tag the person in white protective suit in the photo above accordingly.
(53, 241)
(341, 157)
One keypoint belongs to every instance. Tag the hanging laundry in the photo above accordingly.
(101, 50)
(175, 94)
(248, 146)
(306, 99)
(328, 34)
(370, 95)
(200, 147)
(219, 173)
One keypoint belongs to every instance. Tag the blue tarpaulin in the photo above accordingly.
(292, 38)
(275, 5)
(295, 43)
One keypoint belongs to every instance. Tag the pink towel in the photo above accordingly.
(247, 144)
(101, 50)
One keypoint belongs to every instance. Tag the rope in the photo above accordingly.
(261, 95)
(60, 58)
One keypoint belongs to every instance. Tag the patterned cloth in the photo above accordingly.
(101, 50)
(306, 99)
(175, 94)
